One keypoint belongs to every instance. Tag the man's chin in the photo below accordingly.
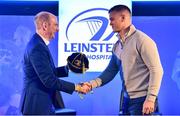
(114, 30)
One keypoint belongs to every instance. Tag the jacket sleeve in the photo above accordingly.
(110, 72)
(43, 68)
(62, 71)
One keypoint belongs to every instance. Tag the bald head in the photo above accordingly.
(46, 24)
(42, 17)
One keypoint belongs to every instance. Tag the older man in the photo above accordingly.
(40, 75)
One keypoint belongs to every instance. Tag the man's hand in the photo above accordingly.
(148, 107)
(86, 86)
(83, 87)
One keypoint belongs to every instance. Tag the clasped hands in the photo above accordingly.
(83, 88)
(86, 87)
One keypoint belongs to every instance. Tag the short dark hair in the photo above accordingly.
(119, 8)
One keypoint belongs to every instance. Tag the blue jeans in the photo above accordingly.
(134, 106)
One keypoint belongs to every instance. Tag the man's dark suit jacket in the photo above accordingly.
(41, 79)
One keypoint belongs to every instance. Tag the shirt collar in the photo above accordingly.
(46, 41)
(129, 33)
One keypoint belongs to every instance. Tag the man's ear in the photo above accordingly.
(44, 25)
(123, 18)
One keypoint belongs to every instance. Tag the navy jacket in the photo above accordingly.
(41, 79)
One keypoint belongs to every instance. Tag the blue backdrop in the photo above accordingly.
(16, 30)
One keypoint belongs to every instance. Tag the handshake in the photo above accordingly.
(86, 87)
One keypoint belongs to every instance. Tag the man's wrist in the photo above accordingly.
(77, 88)
(95, 83)
(151, 98)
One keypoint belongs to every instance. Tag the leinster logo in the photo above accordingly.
(89, 26)
(89, 32)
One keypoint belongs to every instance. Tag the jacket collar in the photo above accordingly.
(36, 35)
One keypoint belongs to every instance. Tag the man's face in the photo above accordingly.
(116, 21)
(52, 27)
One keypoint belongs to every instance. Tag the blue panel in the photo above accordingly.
(27, 7)
(156, 8)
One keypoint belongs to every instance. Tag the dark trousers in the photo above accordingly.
(134, 106)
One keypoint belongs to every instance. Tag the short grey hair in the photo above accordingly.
(42, 17)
